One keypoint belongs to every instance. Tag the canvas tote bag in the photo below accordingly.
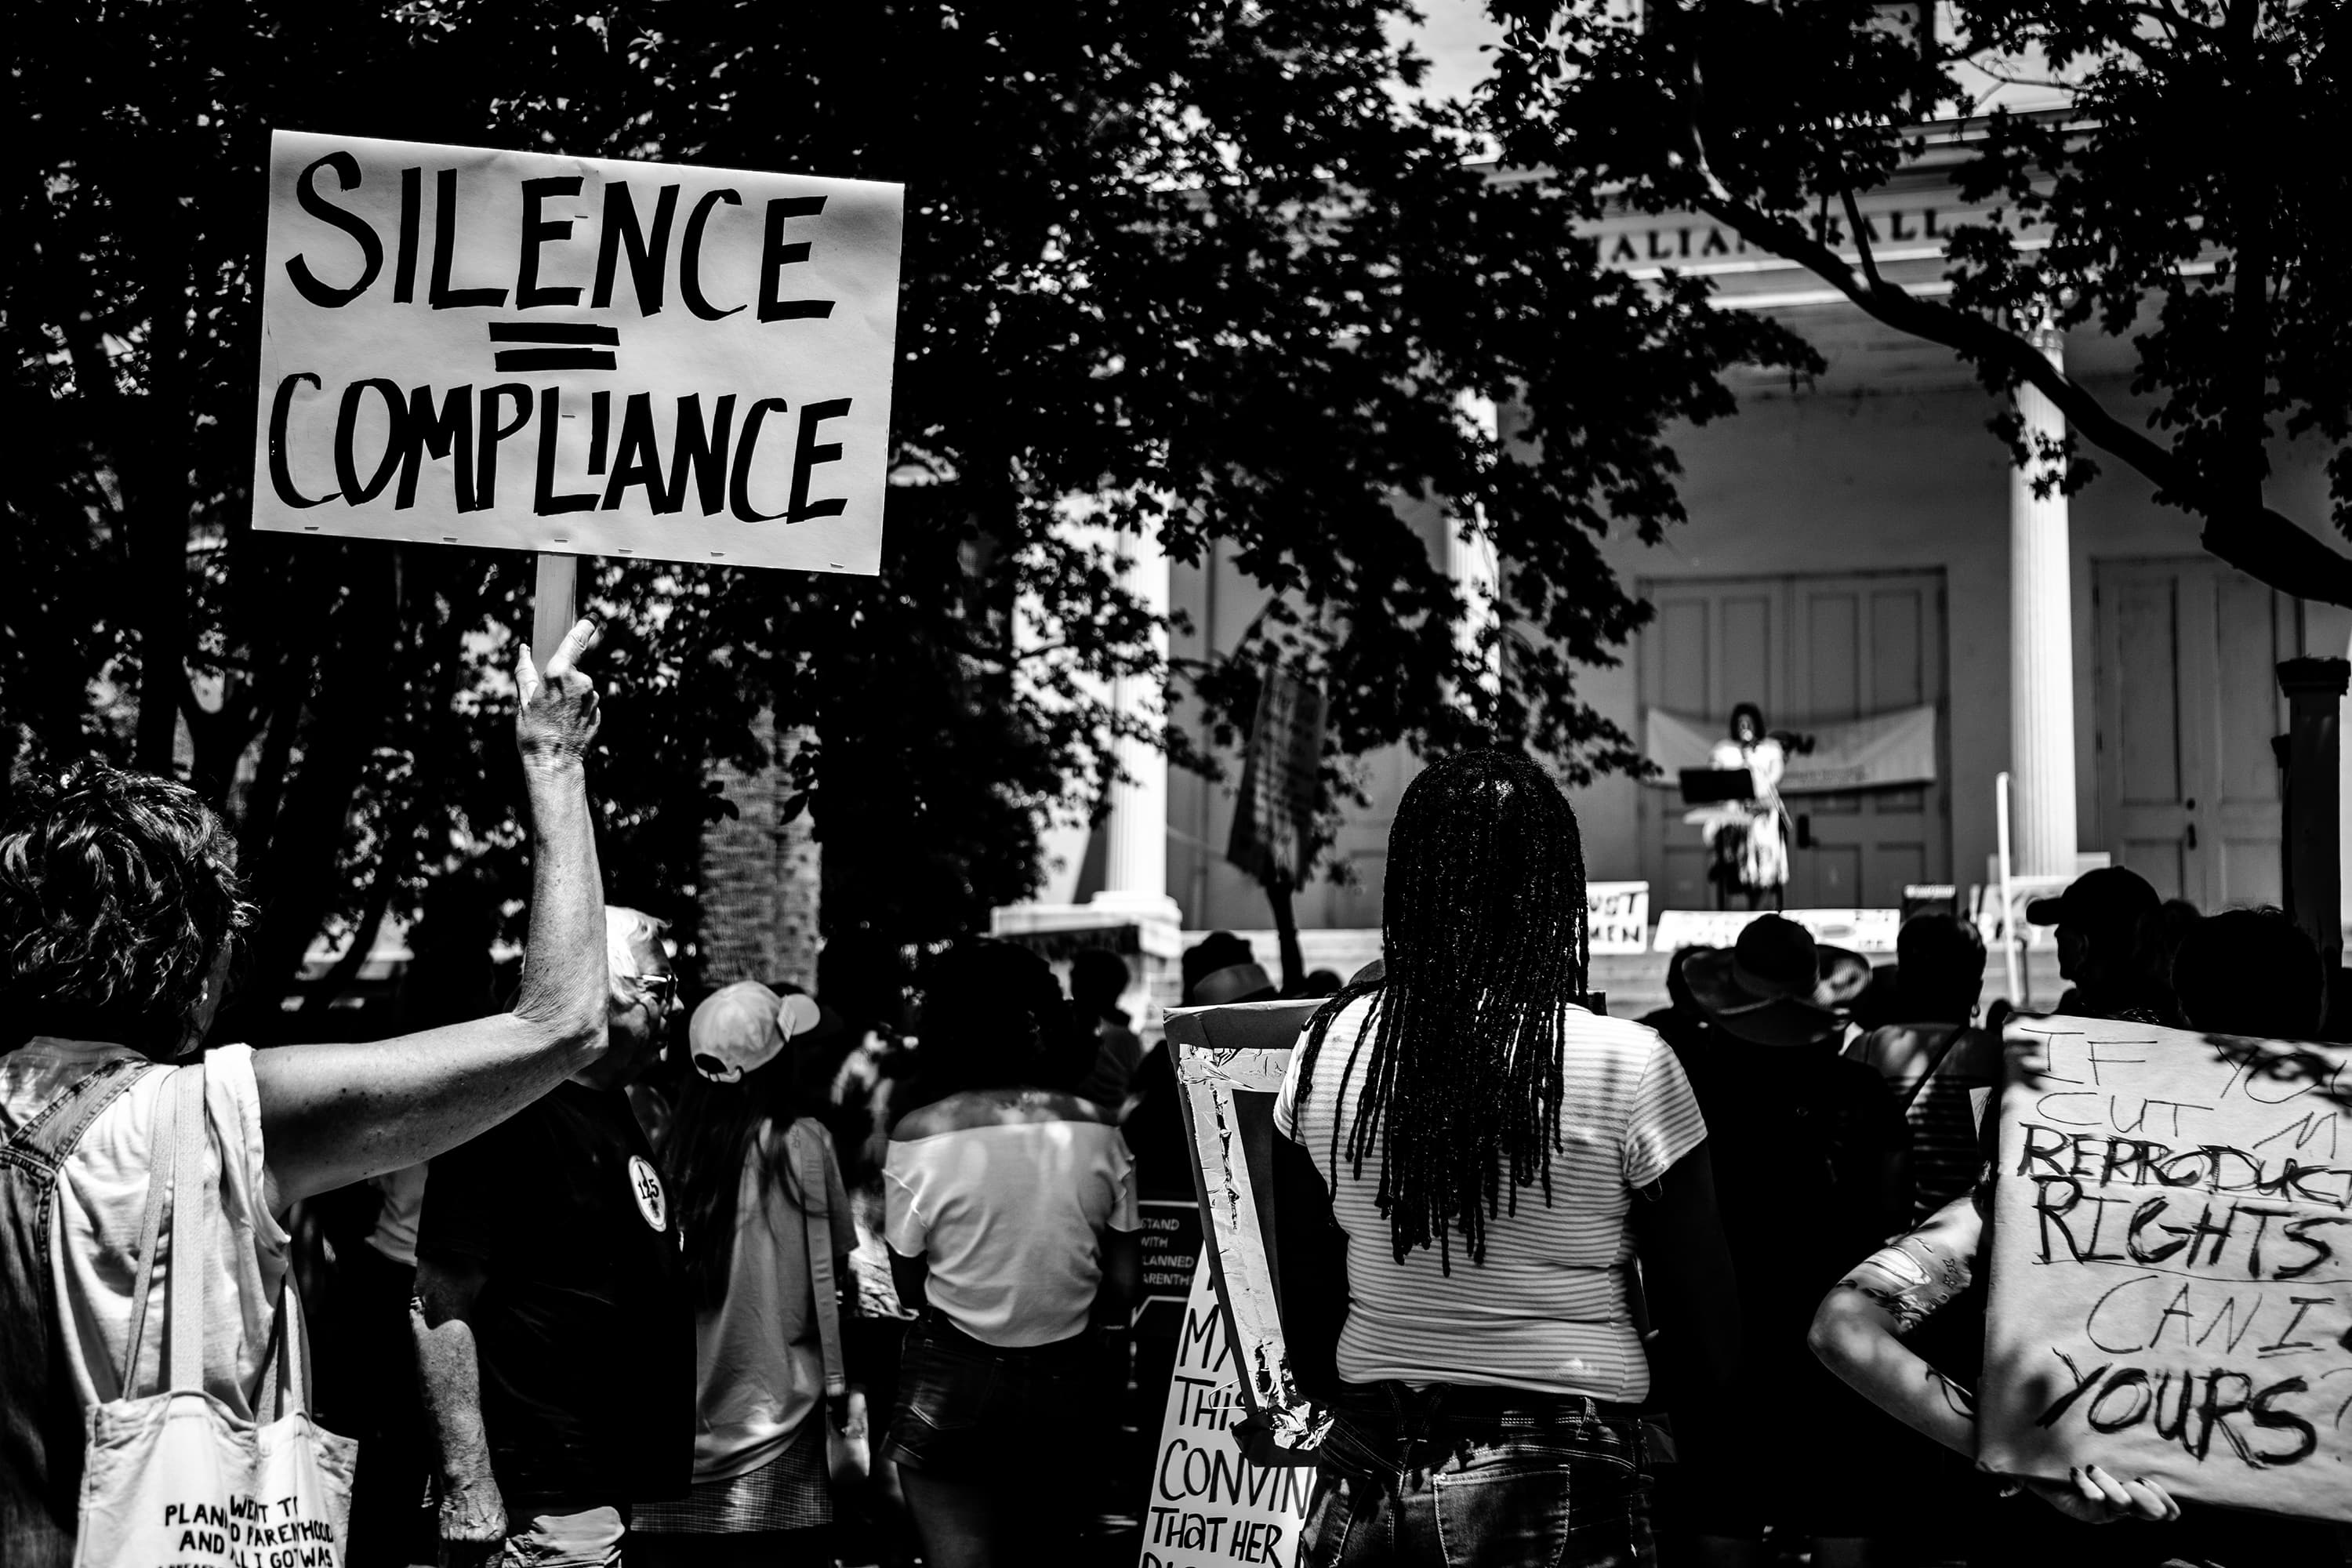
(175, 1480)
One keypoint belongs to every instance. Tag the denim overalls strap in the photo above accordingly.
(41, 1420)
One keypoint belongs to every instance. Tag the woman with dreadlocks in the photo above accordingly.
(1488, 1152)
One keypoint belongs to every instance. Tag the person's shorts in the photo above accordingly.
(972, 1411)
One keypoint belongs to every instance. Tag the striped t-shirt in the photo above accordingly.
(1548, 1309)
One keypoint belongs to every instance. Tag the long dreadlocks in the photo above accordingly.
(1484, 939)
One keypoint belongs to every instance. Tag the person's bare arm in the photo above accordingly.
(335, 1114)
(473, 1513)
(1688, 1276)
(1858, 1334)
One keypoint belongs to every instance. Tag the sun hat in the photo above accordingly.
(1777, 986)
(742, 1028)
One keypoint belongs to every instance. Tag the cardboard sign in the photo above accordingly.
(1210, 1507)
(2171, 1259)
(575, 354)
(1617, 916)
(1229, 1063)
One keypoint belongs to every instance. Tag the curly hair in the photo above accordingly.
(117, 891)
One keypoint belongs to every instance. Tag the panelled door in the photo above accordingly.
(1808, 651)
(2188, 702)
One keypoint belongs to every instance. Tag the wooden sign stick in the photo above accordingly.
(554, 603)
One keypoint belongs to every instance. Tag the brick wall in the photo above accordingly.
(760, 878)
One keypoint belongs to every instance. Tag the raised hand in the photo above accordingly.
(556, 718)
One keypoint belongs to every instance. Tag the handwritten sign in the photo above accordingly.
(1210, 1507)
(1860, 931)
(2172, 1263)
(575, 354)
(1617, 916)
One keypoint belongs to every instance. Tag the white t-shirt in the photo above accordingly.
(101, 1198)
(1548, 1309)
(1007, 1217)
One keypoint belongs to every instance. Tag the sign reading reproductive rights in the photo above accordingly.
(2171, 1260)
(575, 354)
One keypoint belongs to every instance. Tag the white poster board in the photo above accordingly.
(579, 355)
(1210, 1507)
(2171, 1290)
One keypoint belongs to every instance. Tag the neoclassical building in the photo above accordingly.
(1857, 546)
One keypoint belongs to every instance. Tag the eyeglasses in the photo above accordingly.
(659, 991)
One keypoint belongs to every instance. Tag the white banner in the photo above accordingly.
(1857, 930)
(535, 352)
(1883, 752)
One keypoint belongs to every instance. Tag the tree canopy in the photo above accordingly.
(1195, 269)
(2186, 198)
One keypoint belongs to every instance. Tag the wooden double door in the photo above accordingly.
(1807, 650)
(2188, 702)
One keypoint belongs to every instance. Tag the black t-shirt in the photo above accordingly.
(585, 1330)
(1799, 1138)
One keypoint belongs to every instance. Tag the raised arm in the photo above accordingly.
(1688, 1276)
(336, 1115)
(1858, 1334)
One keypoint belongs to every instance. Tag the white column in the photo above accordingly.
(2040, 649)
(1135, 832)
(1471, 565)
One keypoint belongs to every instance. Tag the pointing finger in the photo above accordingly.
(577, 641)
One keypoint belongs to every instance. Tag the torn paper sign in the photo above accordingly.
(1229, 1063)
(585, 355)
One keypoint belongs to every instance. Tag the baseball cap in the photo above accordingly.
(2104, 897)
(742, 1028)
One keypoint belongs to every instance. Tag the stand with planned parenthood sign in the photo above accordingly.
(2172, 1258)
(575, 355)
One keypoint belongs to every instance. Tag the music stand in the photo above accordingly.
(1711, 786)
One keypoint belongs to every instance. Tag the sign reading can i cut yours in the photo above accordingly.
(577, 354)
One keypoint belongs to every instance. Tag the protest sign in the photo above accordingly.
(1210, 1506)
(1617, 916)
(2172, 1258)
(1172, 1252)
(579, 355)
(1229, 1063)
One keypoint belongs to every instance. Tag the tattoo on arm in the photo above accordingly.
(1908, 1314)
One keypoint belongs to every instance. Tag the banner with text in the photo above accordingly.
(2171, 1290)
(1210, 1507)
(534, 351)
(1617, 916)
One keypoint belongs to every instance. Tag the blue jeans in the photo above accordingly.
(1522, 1480)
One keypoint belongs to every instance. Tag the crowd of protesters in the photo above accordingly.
(793, 1276)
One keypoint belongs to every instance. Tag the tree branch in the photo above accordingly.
(2258, 540)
